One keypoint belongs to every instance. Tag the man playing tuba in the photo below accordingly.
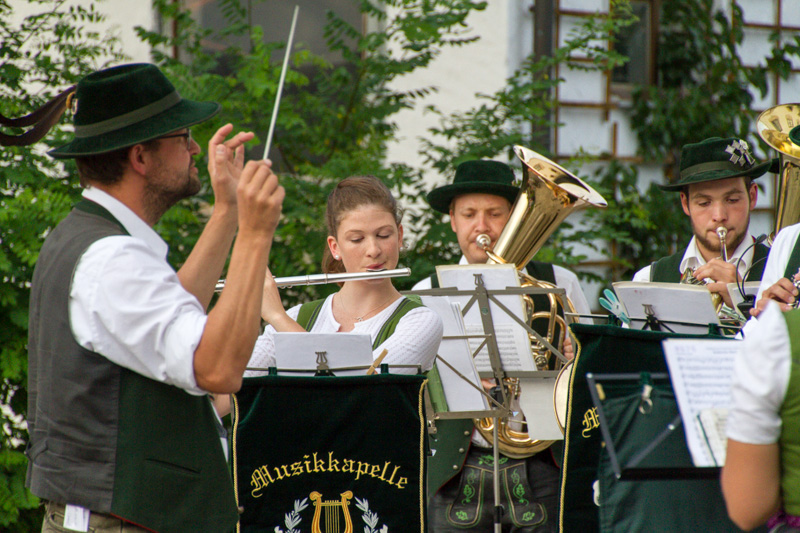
(479, 202)
(717, 194)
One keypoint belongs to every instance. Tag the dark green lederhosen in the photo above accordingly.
(460, 475)
(668, 269)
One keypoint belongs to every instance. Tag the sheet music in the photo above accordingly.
(460, 395)
(536, 402)
(298, 350)
(712, 424)
(701, 371)
(512, 339)
(670, 303)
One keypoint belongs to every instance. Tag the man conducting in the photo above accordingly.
(716, 191)
(479, 202)
(122, 354)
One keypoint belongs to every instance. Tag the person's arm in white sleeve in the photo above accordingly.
(414, 342)
(751, 475)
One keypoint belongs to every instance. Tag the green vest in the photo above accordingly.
(667, 269)
(790, 417)
(104, 437)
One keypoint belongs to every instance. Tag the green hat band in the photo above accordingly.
(128, 119)
(712, 166)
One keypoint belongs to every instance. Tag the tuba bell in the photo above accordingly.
(548, 194)
(774, 126)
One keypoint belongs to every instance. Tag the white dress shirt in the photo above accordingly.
(692, 258)
(127, 303)
(760, 380)
(565, 279)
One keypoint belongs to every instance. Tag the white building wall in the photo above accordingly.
(122, 16)
(461, 73)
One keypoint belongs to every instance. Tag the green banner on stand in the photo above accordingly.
(330, 454)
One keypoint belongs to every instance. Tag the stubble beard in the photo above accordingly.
(713, 244)
(162, 191)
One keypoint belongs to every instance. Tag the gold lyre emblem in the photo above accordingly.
(333, 520)
(590, 421)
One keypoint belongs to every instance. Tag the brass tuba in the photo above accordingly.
(774, 126)
(547, 195)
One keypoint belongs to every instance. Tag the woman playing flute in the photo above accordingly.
(364, 234)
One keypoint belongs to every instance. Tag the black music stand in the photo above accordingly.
(672, 307)
(482, 296)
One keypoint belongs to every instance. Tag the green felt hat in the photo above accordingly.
(126, 105)
(483, 176)
(716, 158)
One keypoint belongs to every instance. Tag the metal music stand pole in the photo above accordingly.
(494, 357)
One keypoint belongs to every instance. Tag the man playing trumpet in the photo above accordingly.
(717, 193)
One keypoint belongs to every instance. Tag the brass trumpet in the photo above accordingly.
(322, 279)
(689, 278)
(722, 233)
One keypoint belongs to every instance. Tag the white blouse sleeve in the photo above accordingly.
(761, 377)
(414, 342)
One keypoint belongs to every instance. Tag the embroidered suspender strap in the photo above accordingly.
(391, 323)
(308, 314)
(794, 261)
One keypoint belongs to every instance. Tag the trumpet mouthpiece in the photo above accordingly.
(722, 232)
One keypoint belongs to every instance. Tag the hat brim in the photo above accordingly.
(182, 115)
(441, 197)
(714, 175)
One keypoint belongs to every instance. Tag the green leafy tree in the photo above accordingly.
(335, 119)
(40, 55)
(519, 112)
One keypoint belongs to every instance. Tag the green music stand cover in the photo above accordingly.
(641, 505)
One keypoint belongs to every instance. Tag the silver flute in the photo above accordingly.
(321, 279)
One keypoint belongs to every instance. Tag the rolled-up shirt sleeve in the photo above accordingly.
(127, 304)
(761, 378)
